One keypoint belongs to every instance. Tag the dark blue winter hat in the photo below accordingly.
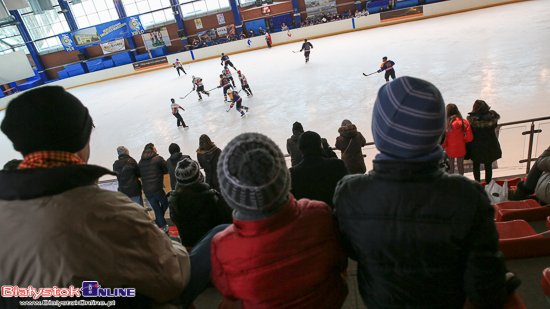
(408, 119)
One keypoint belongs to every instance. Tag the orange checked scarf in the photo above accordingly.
(47, 159)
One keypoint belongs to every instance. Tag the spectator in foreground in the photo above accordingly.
(421, 237)
(127, 171)
(485, 147)
(68, 229)
(207, 155)
(152, 168)
(457, 134)
(292, 144)
(194, 207)
(175, 157)
(327, 150)
(315, 178)
(537, 182)
(274, 239)
(350, 143)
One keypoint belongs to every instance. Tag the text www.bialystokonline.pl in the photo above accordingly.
(60, 303)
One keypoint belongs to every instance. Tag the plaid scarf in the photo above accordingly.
(47, 159)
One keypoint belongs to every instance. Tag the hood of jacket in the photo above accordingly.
(483, 120)
(32, 183)
(207, 150)
(148, 154)
(296, 136)
(349, 131)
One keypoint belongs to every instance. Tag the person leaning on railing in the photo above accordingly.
(538, 181)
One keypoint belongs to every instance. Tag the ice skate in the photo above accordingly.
(246, 109)
(200, 99)
(208, 93)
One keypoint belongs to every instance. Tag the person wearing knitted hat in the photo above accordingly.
(207, 156)
(194, 207)
(128, 175)
(350, 143)
(292, 144)
(421, 237)
(274, 238)
(69, 230)
(315, 177)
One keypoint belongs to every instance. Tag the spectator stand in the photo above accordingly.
(375, 6)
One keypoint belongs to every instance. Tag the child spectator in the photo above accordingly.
(274, 239)
(457, 134)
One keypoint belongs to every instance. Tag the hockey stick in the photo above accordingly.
(212, 89)
(370, 73)
(186, 95)
(296, 51)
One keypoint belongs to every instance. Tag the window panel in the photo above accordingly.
(131, 9)
(94, 19)
(212, 4)
(147, 20)
(155, 5)
(143, 7)
(82, 22)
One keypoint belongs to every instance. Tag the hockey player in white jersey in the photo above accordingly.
(179, 67)
(244, 84)
(197, 84)
(227, 73)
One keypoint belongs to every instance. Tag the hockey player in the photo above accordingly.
(306, 47)
(227, 73)
(179, 67)
(236, 98)
(224, 82)
(244, 84)
(387, 65)
(197, 83)
(176, 113)
(227, 62)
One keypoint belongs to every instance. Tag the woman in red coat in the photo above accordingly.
(279, 252)
(458, 133)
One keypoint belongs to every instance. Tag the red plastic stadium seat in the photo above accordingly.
(528, 210)
(514, 302)
(518, 240)
(173, 231)
(546, 282)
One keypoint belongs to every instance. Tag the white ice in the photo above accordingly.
(499, 54)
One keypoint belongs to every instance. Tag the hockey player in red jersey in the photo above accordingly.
(227, 73)
(197, 83)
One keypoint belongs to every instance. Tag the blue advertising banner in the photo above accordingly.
(99, 34)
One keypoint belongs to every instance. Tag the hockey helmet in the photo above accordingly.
(221, 75)
(177, 60)
(223, 54)
(385, 58)
(239, 72)
(193, 77)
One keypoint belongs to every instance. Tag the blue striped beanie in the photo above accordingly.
(408, 119)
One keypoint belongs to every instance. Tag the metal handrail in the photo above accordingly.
(531, 133)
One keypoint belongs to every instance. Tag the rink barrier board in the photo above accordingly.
(279, 38)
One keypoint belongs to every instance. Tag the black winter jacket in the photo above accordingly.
(293, 150)
(485, 147)
(349, 143)
(315, 178)
(152, 168)
(422, 238)
(197, 209)
(209, 162)
(128, 175)
(171, 164)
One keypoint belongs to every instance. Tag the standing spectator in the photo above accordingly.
(207, 155)
(538, 181)
(68, 229)
(250, 34)
(127, 171)
(268, 39)
(242, 36)
(175, 157)
(261, 31)
(327, 150)
(274, 239)
(292, 144)
(284, 27)
(152, 168)
(349, 143)
(315, 177)
(457, 134)
(485, 147)
(421, 238)
(194, 207)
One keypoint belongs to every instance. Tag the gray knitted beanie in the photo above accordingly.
(188, 172)
(254, 178)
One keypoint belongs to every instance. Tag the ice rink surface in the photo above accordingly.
(499, 54)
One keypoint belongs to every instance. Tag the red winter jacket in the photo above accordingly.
(291, 260)
(455, 144)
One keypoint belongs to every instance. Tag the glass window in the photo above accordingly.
(10, 40)
(192, 9)
(48, 45)
(152, 13)
(46, 24)
(90, 13)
